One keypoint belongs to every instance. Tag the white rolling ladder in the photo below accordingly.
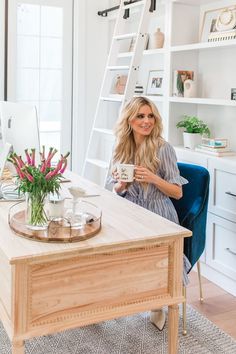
(99, 152)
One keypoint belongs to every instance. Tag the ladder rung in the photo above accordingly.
(135, 4)
(104, 131)
(118, 67)
(99, 163)
(113, 98)
(125, 54)
(125, 36)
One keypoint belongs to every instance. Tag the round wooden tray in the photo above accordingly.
(58, 230)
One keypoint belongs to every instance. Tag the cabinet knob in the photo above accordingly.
(230, 251)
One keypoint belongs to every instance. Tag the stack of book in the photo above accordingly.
(215, 151)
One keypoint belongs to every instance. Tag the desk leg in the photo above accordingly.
(18, 347)
(173, 323)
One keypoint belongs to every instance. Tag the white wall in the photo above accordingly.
(90, 54)
(2, 10)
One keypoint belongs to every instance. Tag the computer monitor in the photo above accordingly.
(4, 152)
(19, 126)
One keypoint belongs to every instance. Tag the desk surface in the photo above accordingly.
(123, 223)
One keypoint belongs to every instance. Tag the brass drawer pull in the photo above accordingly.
(230, 251)
(232, 194)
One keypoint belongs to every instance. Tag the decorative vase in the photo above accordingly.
(36, 210)
(191, 140)
(156, 40)
(190, 88)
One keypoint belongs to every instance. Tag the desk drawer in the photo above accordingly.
(222, 199)
(221, 245)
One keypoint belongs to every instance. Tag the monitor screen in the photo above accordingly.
(19, 126)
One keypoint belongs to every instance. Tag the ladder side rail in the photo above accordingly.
(111, 55)
(141, 40)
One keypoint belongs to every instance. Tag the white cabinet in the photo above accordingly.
(221, 228)
(214, 71)
(222, 200)
(221, 246)
(219, 258)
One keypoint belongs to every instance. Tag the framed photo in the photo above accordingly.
(210, 19)
(155, 82)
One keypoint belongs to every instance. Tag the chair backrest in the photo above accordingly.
(192, 208)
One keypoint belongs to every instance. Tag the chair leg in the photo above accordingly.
(199, 280)
(184, 312)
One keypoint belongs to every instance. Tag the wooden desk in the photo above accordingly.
(134, 264)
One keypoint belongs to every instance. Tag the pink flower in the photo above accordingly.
(51, 153)
(28, 157)
(19, 172)
(28, 175)
(32, 157)
(64, 167)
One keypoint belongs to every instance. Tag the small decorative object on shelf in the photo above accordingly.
(233, 94)
(215, 143)
(133, 41)
(138, 89)
(194, 129)
(155, 82)
(219, 25)
(156, 40)
(190, 88)
(226, 19)
(222, 36)
(218, 151)
(37, 182)
(120, 84)
(179, 78)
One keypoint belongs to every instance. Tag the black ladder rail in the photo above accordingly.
(104, 13)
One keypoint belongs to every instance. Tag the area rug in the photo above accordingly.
(130, 335)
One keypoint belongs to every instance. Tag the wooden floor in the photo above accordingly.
(218, 305)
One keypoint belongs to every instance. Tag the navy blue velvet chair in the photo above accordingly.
(192, 213)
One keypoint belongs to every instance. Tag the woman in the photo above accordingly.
(139, 141)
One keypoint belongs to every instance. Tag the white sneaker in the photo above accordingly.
(158, 318)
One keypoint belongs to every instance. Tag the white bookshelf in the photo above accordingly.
(203, 45)
(214, 72)
(203, 101)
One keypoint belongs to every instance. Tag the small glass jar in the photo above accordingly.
(56, 209)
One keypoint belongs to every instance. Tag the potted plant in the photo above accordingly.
(194, 130)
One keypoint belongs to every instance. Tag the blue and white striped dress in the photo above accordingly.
(153, 199)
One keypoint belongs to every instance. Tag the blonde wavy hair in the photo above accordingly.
(126, 150)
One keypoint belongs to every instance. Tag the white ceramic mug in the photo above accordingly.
(126, 172)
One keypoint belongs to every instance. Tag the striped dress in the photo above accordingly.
(153, 199)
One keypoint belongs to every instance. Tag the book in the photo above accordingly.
(213, 148)
(217, 153)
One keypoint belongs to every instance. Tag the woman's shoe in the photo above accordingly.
(158, 318)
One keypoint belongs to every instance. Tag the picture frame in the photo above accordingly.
(133, 41)
(155, 83)
(208, 23)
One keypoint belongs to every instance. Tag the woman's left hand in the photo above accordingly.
(142, 174)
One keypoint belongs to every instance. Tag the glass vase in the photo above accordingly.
(37, 211)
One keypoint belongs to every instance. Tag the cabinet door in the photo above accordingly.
(221, 245)
(222, 199)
